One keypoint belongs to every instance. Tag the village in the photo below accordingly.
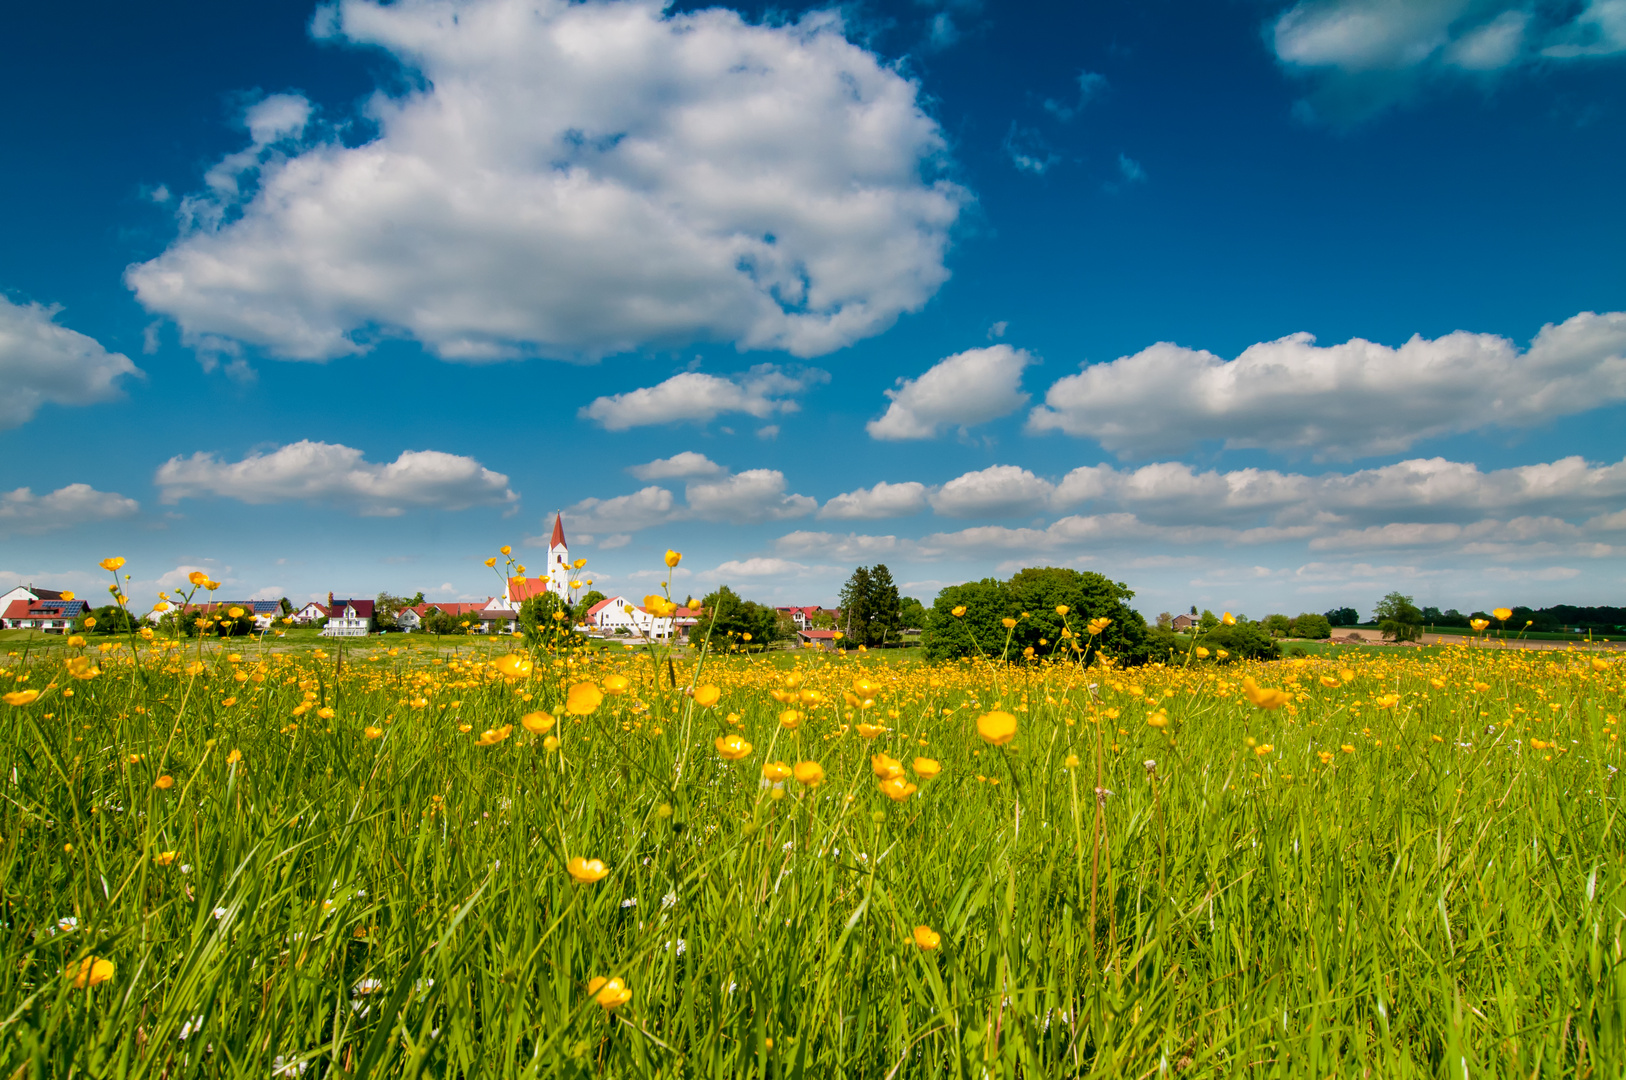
(611, 617)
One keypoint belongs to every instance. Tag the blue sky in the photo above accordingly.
(1255, 305)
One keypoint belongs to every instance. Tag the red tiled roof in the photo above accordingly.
(601, 605)
(17, 610)
(818, 635)
(523, 588)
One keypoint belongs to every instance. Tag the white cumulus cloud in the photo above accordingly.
(962, 390)
(997, 491)
(750, 496)
(1340, 401)
(575, 179)
(22, 511)
(850, 546)
(884, 500)
(338, 475)
(759, 567)
(43, 362)
(698, 397)
(678, 466)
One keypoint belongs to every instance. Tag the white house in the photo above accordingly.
(349, 618)
(620, 614)
(310, 613)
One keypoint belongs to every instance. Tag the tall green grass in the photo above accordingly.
(399, 906)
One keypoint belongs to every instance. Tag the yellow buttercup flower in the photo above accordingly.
(790, 719)
(732, 747)
(927, 939)
(586, 871)
(1097, 625)
(111, 564)
(1264, 697)
(997, 727)
(1008, 623)
(1387, 701)
(492, 561)
(870, 731)
(537, 723)
(493, 736)
(673, 557)
(1200, 652)
(897, 789)
(578, 564)
(234, 757)
(373, 732)
(609, 993)
(884, 767)
(91, 971)
(164, 858)
(198, 577)
(513, 665)
(776, 770)
(957, 611)
(506, 549)
(22, 697)
(926, 768)
(1228, 619)
(810, 773)
(1502, 614)
(164, 783)
(1062, 609)
(69, 595)
(706, 696)
(583, 699)
(1479, 625)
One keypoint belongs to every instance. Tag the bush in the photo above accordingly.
(1036, 592)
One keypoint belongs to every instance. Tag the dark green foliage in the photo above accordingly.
(870, 607)
(1036, 593)
(729, 619)
(1310, 625)
(1344, 616)
(1399, 618)
(537, 617)
(110, 619)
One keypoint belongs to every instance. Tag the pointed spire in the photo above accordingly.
(558, 532)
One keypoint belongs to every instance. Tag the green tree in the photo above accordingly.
(870, 606)
(548, 620)
(1277, 625)
(585, 604)
(1208, 620)
(912, 614)
(1031, 597)
(110, 619)
(1310, 625)
(729, 618)
(1398, 617)
(1344, 616)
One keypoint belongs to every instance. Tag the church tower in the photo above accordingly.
(559, 560)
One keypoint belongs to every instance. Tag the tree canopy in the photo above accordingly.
(1031, 597)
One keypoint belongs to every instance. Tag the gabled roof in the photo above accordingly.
(601, 605)
(558, 539)
(818, 635)
(523, 588)
(17, 610)
(46, 609)
(364, 608)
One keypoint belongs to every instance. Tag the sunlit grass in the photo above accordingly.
(1152, 875)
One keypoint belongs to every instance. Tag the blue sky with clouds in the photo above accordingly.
(1252, 305)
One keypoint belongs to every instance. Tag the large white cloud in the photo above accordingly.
(968, 388)
(698, 397)
(576, 179)
(338, 475)
(749, 497)
(1366, 54)
(1340, 401)
(22, 511)
(43, 362)
(997, 491)
(884, 500)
